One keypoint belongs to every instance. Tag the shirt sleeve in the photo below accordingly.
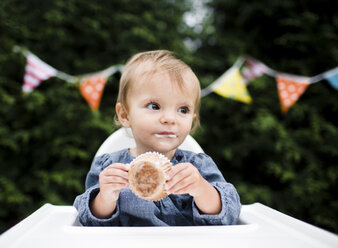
(231, 205)
(82, 202)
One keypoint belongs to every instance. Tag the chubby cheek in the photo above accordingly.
(143, 125)
(186, 128)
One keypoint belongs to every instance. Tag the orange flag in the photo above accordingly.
(91, 89)
(290, 88)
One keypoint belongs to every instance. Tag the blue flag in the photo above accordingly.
(333, 80)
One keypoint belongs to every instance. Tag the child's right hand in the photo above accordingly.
(112, 179)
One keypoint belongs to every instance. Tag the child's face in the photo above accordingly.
(160, 113)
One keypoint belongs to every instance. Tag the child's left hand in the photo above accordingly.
(184, 178)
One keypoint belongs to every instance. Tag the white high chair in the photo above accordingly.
(259, 226)
(123, 138)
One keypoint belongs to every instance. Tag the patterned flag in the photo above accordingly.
(92, 88)
(35, 72)
(290, 88)
(333, 80)
(233, 86)
(253, 69)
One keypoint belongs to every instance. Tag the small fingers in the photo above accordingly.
(185, 189)
(181, 187)
(116, 169)
(178, 173)
(115, 179)
(120, 166)
(178, 182)
(115, 174)
(176, 169)
(118, 186)
(185, 178)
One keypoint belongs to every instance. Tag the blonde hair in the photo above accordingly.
(148, 63)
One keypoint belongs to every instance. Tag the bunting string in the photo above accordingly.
(231, 84)
(290, 87)
(91, 85)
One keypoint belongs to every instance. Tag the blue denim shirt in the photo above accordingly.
(173, 210)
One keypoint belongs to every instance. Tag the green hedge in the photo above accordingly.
(49, 137)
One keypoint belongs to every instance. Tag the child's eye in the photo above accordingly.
(183, 110)
(153, 106)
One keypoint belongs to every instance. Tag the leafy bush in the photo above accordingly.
(49, 137)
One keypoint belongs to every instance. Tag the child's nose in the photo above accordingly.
(168, 117)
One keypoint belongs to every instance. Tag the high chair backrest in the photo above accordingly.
(123, 138)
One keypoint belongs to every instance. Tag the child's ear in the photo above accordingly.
(122, 114)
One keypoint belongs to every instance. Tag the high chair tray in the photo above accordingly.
(259, 226)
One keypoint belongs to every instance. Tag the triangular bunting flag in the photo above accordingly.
(233, 86)
(290, 89)
(36, 71)
(92, 88)
(253, 69)
(333, 80)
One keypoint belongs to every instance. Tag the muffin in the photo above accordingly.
(147, 175)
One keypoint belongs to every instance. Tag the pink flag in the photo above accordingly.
(253, 69)
(36, 71)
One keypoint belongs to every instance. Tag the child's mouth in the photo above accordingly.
(165, 135)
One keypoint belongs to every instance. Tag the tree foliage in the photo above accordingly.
(49, 137)
(288, 162)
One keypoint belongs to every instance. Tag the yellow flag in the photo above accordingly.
(233, 86)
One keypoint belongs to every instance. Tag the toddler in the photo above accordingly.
(159, 100)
